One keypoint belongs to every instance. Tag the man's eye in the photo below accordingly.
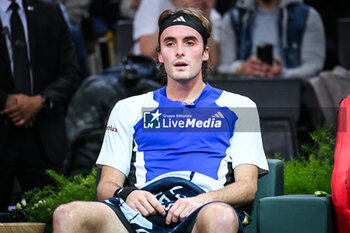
(189, 43)
(169, 44)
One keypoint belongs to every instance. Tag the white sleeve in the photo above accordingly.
(145, 20)
(146, 17)
(116, 149)
(228, 63)
(215, 19)
(246, 143)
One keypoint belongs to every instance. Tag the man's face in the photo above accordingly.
(182, 53)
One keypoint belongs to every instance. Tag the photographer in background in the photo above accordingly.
(289, 34)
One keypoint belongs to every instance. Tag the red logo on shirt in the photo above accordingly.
(111, 128)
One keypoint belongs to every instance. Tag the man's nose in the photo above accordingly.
(180, 51)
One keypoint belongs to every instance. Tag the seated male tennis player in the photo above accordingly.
(183, 158)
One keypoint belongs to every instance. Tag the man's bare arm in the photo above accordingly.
(141, 201)
(111, 179)
(148, 44)
(241, 192)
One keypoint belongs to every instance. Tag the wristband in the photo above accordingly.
(124, 192)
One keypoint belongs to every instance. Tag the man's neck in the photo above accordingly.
(187, 91)
(273, 4)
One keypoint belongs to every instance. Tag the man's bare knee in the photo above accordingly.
(65, 216)
(82, 216)
(216, 217)
(225, 214)
(65, 211)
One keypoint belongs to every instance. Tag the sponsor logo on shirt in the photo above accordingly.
(111, 128)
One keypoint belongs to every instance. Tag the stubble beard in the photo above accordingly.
(183, 78)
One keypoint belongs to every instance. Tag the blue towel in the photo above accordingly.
(167, 191)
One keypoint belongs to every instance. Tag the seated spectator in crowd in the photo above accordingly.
(294, 30)
(145, 26)
(87, 113)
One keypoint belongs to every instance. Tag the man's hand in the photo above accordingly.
(144, 203)
(276, 69)
(185, 206)
(11, 100)
(22, 109)
(255, 67)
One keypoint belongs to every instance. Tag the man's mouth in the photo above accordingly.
(180, 64)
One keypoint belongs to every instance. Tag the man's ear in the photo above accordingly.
(206, 54)
(160, 57)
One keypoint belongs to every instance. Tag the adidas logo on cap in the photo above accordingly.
(179, 19)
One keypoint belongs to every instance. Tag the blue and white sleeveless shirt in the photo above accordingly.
(149, 137)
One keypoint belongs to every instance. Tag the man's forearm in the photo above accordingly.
(148, 44)
(242, 191)
(236, 194)
(106, 190)
(111, 179)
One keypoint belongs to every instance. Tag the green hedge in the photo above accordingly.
(43, 202)
(311, 170)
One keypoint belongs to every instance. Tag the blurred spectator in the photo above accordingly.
(73, 12)
(38, 75)
(103, 15)
(329, 88)
(222, 6)
(127, 8)
(145, 28)
(331, 12)
(89, 109)
(76, 10)
(294, 30)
